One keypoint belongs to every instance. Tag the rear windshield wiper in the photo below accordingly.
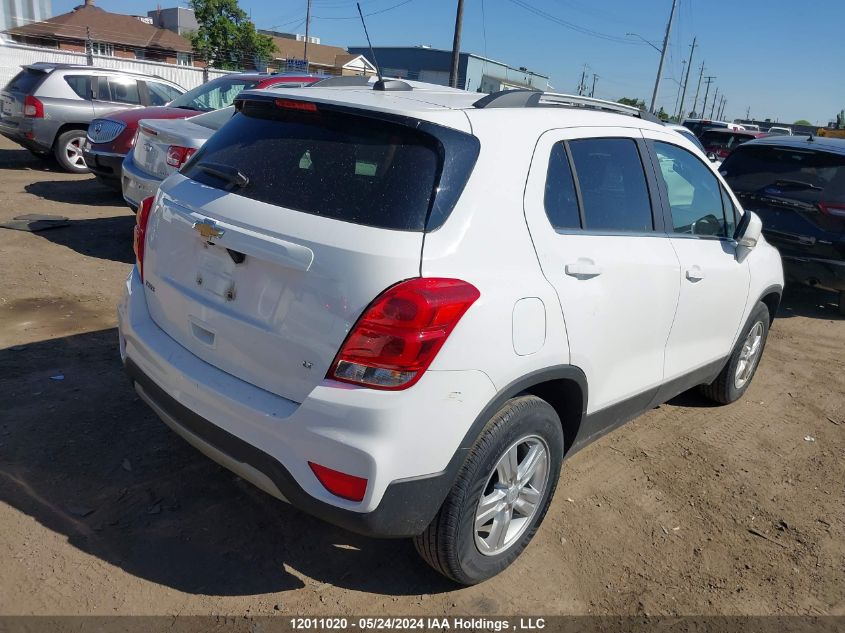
(801, 184)
(225, 173)
(195, 109)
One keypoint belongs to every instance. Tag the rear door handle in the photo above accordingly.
(583, 269)
(695, 273)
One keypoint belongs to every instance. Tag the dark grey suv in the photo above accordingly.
(46, 108)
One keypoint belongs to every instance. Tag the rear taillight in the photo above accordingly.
(139, 233)
(400, 333)
(33, 108)
(833, 208)
(178, 155)
(340, 484)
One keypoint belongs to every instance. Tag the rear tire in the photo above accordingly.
(68, 151)
(734, 379)
(500, 496)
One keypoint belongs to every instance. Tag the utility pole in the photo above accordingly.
(307, 32)
(581, 85)
(722, 109)
(680, 85)
(662, 56)
(456, 45)
(713, 106)
(89, 47)
(593, 89)
(709, 79)
(695, 101)
(686, 80)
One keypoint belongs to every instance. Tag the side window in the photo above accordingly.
(695, 196)
(560, 199)
(613, 185)
(731, 214)
(161, 94)
(119, 90)
(80, 84)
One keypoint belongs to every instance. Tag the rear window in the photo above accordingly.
(804, 175)
(332, 164)
(25, 81)
(216, 94)
(724, 140)
(614, 192)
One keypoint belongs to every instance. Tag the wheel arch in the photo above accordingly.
(564, 387)
(771, 298)
(66, 127)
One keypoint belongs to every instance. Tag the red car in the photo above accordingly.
(722, 141)
(110, 139)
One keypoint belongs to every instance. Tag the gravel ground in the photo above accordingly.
(691, 509)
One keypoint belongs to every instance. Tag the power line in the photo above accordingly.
(570, 25)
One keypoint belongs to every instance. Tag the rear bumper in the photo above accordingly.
(136, 184)
(406, 444)
(25, 134)
(104, 165)
(821, 273)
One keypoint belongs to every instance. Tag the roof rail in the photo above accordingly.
(526, 98)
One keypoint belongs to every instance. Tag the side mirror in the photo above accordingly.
(711, 157)
(748, 230)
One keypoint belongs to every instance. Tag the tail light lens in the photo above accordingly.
(33, 108)
(340, 484)
(139, 233)
(292, 104)
(400, 333)
(178, 155)
(833, 208)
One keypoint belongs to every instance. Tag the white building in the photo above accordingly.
(20, 12)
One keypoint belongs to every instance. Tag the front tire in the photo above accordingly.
(68, 151)
(500, 496)
(735, 377)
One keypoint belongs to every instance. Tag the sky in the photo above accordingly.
(777, 59)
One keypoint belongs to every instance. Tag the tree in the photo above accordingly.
(226, 38)
(637, 103)
(661, 114)
(802, 122)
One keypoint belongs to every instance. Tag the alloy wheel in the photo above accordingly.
(512, 495)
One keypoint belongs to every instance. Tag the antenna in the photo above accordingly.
(370, 44)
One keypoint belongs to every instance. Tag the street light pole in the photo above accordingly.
(662, 56)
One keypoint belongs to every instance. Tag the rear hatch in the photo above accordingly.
(798, 192)
(12, 97)
(157, 136)
(287, 223)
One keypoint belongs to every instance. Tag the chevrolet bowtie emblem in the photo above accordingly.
(208, 229)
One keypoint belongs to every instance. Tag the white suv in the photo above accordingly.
(399, 307)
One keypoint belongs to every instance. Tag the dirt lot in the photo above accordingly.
(103, 510)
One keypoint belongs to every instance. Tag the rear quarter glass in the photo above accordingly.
(335, 164)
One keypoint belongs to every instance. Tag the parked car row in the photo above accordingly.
(111, 139)
(87, 118)
(47, 108)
